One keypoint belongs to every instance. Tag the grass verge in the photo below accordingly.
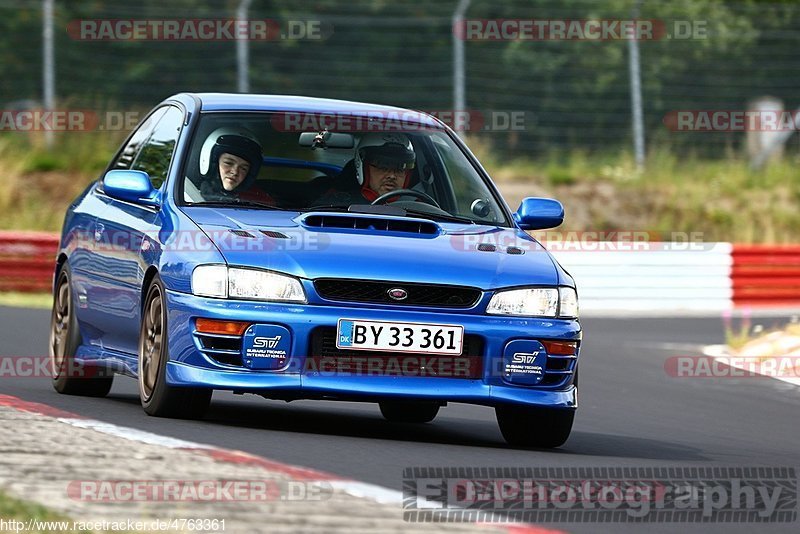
(42, 301)
(711, 200)
(41, 519)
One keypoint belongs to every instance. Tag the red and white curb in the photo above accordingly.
(361, 490)
(723, 355)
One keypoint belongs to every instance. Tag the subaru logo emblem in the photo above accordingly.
(397, 293)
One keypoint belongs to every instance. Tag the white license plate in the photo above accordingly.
(400, 337)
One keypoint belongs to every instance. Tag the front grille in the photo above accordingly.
(378, 292)
(326, 358)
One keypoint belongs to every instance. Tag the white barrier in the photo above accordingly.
(657, 279)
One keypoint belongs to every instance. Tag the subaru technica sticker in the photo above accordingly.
(525, 362)
(266, 346)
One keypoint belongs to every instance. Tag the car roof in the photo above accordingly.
(307, 104)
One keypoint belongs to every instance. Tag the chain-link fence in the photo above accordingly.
(566, 91)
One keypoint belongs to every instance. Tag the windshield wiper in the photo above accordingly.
(396, 211)
(239, 202)
(325, 208)
(440, 216)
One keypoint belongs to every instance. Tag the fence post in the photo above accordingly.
(48, 64)
(459, 78)
(636, 91)
(243, 52)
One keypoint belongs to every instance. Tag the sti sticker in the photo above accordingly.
(266, 346)
(524, 362)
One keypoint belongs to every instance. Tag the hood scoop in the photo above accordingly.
(371, 224)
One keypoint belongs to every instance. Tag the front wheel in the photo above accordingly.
(69, 377)
(158, 398)
(409, 412)
(525, 426)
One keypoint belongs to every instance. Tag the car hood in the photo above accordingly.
(441, 253)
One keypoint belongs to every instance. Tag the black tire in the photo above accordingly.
(544, 428)
(409, 411)
(158, 398)
(69, 377)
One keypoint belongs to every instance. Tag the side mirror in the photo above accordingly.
(131, 186)
(539, 213)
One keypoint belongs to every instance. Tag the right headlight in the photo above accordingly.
(253, 284)
(535, 302)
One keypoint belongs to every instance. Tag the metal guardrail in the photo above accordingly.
(623, 278)
(27, 260)
(766, 275)
(717, 277)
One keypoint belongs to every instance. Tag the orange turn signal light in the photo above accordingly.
(214, 326)
(560, 348)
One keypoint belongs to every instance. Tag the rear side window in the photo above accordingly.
(156, 155)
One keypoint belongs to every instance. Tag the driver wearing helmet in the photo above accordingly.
(229, 164)
(383, 163)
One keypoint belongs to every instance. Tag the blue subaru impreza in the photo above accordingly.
(303, 248)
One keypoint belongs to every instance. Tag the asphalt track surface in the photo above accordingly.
(631, 413)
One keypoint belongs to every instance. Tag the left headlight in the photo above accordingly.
(233, 282)
(535, 302)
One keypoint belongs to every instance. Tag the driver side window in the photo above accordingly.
(155, 156)
(128, 154)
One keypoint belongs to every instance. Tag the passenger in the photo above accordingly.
(229, 164)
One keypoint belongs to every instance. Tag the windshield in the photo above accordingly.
(276, 161)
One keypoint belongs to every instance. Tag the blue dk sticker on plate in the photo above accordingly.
(266, 346)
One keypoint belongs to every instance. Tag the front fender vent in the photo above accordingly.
(242, 233)
(274, 235)
(374, 224)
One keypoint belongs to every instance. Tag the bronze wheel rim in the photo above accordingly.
(151, 343)
(59, 326)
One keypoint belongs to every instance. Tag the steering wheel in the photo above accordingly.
(401, 192)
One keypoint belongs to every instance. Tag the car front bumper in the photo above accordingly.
(190, 366)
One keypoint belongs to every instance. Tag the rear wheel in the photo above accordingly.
(158, 398)
(525, 426)
(69, 377)
(409, 411)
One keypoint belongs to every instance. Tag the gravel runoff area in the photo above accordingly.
(73, 468)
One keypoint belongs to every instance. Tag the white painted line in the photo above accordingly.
(133, 434)
(722, 354)
(364, 490)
